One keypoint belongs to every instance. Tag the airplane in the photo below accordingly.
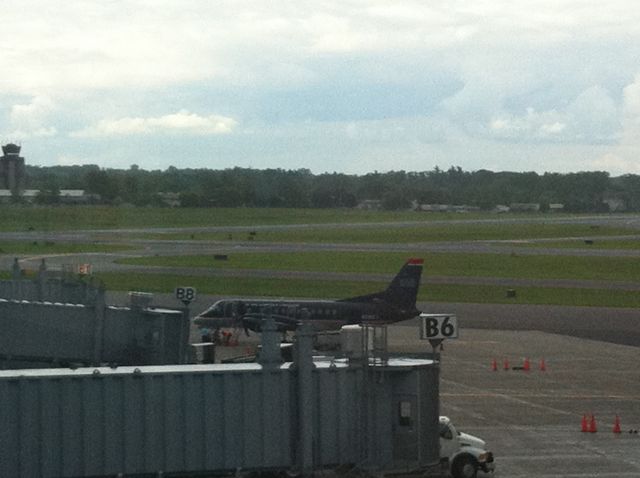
(396, 303)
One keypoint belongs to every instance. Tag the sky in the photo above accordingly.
(348, 86)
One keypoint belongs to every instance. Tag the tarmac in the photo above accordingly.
(532, 421)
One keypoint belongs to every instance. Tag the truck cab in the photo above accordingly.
(463, 454)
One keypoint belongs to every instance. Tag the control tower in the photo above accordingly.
(11, 168)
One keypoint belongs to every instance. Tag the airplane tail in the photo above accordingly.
(402, 292)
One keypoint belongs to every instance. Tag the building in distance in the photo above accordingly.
(12, 181)
(12, 168)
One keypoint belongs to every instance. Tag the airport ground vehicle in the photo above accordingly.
(464, 454)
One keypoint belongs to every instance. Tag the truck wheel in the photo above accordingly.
(464, 467)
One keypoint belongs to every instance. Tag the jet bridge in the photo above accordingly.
(57, 319)
(301, 416)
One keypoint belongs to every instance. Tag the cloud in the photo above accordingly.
(623, 157)
(632, 106)
(182, 122)
(34, 112)
(119, 44)
(66, 160)
(31, 120)
(595, 116)
(592, 117)
(33, 133)
(616, 164)
(49, 47)
(531, 125)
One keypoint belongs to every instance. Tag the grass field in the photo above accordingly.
(253, 287)
(17, 218)
(394, 233)
(436, 264)
(48, 247)
(629, 243)
(54, 218)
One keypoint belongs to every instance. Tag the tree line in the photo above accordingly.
(235, 187)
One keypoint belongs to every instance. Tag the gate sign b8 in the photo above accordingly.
(438, 326)
(185, 294)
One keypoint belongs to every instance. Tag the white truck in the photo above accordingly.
(463, 454)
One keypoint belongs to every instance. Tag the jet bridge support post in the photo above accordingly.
(98, 330)
(183, 352)
(270, 355)
(303, 363)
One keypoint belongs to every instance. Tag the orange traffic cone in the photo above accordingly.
(543, 366)
(616, 425)
(527, 365)
(506, 364)
(494, 365)
(592, 425)
(584, 427)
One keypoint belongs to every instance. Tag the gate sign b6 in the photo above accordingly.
(438, 326)
(185, 294)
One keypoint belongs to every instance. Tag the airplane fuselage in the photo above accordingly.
(320, 314)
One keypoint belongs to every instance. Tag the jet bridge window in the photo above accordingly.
(405, 413)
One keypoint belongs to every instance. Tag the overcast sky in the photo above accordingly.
(349, 86)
